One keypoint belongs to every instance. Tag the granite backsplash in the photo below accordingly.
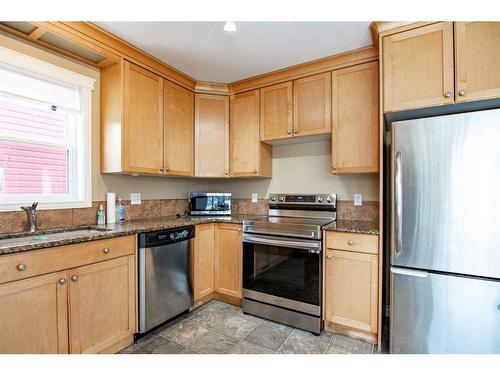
(47, 219)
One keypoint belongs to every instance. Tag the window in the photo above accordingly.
(44, 134)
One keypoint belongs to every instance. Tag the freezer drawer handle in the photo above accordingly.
(398, 204)
(407, 272)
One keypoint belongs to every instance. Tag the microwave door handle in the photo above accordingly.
(398, 203)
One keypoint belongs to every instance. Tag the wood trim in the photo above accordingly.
(37, 33)
(93, 37)
(384, 28)
(380, 327)
(323, 65)
(204, 87)
(351, 332)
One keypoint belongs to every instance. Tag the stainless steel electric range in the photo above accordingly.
(282, 259)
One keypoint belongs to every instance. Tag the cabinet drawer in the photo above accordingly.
(362, 243)
(39, 262)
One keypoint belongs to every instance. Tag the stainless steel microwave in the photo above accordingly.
(215, 204)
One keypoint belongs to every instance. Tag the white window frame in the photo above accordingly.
(82, 165)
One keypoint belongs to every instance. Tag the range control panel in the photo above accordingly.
(303, 199)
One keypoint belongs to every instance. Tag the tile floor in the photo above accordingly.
(218, 328)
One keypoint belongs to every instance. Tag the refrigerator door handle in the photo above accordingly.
(398, 204)
(408, 272)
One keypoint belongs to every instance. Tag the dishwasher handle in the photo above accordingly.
(165, 237)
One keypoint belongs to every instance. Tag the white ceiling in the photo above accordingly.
(206, 52)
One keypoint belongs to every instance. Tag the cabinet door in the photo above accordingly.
(477, 53)
(312, 105)
(228, 260)
(102, 306)
(142, 134)
(418, 67)
(276, 111)
(211, 135)
(178, 110)
(34, 315)
(351, 289)
(203, 255)
(248, 156)
(355, 132)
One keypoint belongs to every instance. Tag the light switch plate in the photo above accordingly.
(358, 200)
(254, 198)
(135, 198)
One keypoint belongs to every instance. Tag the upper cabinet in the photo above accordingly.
(355, 110)
(477, 53)
(146, 123)
(418, 67)
(178, 110)
(248, 156)
(211, 135)
(312, 105)
(276, 117)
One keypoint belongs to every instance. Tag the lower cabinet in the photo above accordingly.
(88, 307)
(216, 260)
(228, 260)
(34, 315)
(351, 287)
(102, 301)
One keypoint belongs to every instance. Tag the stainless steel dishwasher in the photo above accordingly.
(164, 287)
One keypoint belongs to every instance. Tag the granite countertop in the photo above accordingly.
(19, 242)
(353, 226)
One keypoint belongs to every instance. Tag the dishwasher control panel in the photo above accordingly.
(164, 237)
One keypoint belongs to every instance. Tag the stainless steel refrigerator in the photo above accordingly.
(445, 234)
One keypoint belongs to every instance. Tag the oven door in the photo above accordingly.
(281, 271)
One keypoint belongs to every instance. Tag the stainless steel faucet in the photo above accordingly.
(31, 212)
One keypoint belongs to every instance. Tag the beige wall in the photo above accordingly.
(297, 168)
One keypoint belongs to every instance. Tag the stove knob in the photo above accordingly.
(273, 198)
(281, 199)
(320, 199)
(329, 199)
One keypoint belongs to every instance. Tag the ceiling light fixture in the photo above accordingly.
(230, 26)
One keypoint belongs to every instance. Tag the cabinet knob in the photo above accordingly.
(21, 267)
(106, 251)
(161, 170)
(75, 278)
(167, 169)
(350, 242)
(295, 131)
(447, 94)
(461, 92)
(255, 171)
(328, 257)
(226, 173)
(62, 281)
(289, 132)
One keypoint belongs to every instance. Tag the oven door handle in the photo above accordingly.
(311, 246)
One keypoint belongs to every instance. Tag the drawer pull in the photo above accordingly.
(62, 281)
(106, 251)
(75, 278)
(21, 267)
(350, 242)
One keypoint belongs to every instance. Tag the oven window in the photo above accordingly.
(283, 272)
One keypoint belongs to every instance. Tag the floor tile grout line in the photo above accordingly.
(329, 343)
(243, 339)
(284, 342)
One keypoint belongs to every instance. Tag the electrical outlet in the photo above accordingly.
(254, 197)
(358, 200)
(135, 198)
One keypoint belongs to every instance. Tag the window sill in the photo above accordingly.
(10, 207)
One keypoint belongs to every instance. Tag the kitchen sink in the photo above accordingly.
(43, 235)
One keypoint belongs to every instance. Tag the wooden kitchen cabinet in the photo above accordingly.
(351, 290)
(202, 261)
(131, 120)
(211, 135)
(248, 156)
(355, 119)
(418, 67)
(276, 115)
(102, 306)
(178, 111)
(477, 53)
(228, 260)
(34, 315)
(312, 105)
